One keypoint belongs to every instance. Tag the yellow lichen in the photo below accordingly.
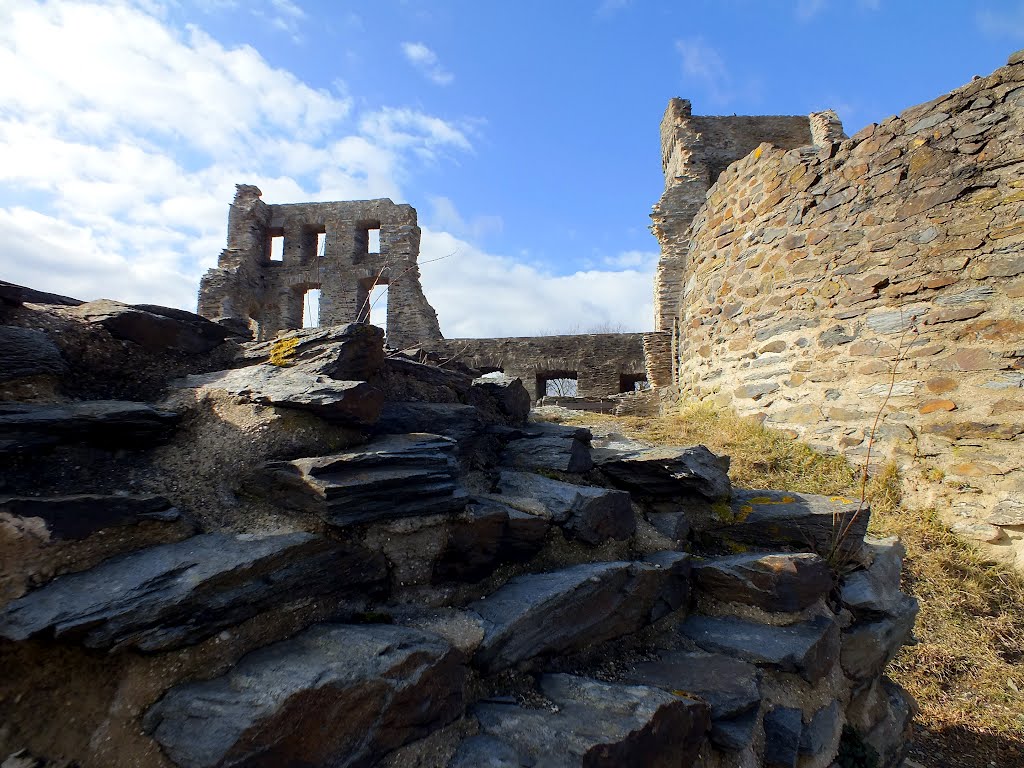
(722, 511)
(282, 351)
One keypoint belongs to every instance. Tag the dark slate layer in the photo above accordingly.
(26, 427)
(596, 725)
(782, 729)
(486, 535)
(563, 454)
(78, 517)
(16, 295)
(773, 582)
(177, 594)
(28, 352)
(158, 329)
(503, 400)
(808, 648)
(868, 646)
(350, 352)
(546, 613)
(729, 686)
(334, 695)
(666, 472)
(592, 515)
(455, 420)
(392, 476)
(340, 402)
(802, 520)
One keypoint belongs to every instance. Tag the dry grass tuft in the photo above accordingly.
(967, 670)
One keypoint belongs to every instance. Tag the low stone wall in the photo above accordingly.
(812, 273)
(603, 364)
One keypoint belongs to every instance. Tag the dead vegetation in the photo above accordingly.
(967, 669)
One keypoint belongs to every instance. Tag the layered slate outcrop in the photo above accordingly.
(320, 552)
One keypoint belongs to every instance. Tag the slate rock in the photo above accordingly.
(486, 535)
(157, 329)
(569, 609)
(407, 381)
(455, 420)
(76, 517)
(349, 352)
(334, 695)
(28, 352)
(29, 427)
(598, 725)
(667, 472)
(552, 453)
(729, 686)
(869, 646)
(808, 648)
(16, 295)
(1007, 512)
(876, 589)
(671, 525)
(801, 520)
(341, 402)
(894, 733)
(390, 477)
(735, 733)
(173, 595)
(501, 399)
(592, 515)
(772, 582)
(782, 729)
(485, 752)
(823, 730)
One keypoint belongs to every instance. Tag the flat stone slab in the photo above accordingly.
(334, 695)
(173, 595)
(158, 329)
(592, 515)
(27, 427)
(597, 725)
(503, 399)
(455, 420)
(808, 648)
(390, 477)
(666, 472)
(564, 454)
(70, 518)
(875, 590)
(572, 608)
(729, 686)
(773, 582)
(341, 402)
(801, 520)
(349, 352)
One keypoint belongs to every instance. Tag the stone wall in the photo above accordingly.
(250, 289)
(602, 363)
(810, 272)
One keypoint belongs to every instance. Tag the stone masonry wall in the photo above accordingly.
(602, 363)
(248, 288)
(810, 272)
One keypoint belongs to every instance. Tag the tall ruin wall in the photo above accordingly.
(250, 289)
(808, 273)
(602, 364)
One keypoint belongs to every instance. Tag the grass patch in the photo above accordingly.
(967, 670)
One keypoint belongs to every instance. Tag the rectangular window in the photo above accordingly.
(373, 241)
(311, 308)
(321, 244)
(277, 248)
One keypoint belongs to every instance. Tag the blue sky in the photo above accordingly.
(525, 133)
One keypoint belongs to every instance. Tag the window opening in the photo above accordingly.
(321, 244)
(379, 307)
(559, 384)
(311, 308)
(373, 241)
(277, 248)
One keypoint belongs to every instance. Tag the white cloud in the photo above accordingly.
(426, 61)
(121, 140)
(643, 260)
(611, 7)
(1002, 24)
(703, 65)
(479, 294)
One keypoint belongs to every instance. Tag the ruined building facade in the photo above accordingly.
(326, 247)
